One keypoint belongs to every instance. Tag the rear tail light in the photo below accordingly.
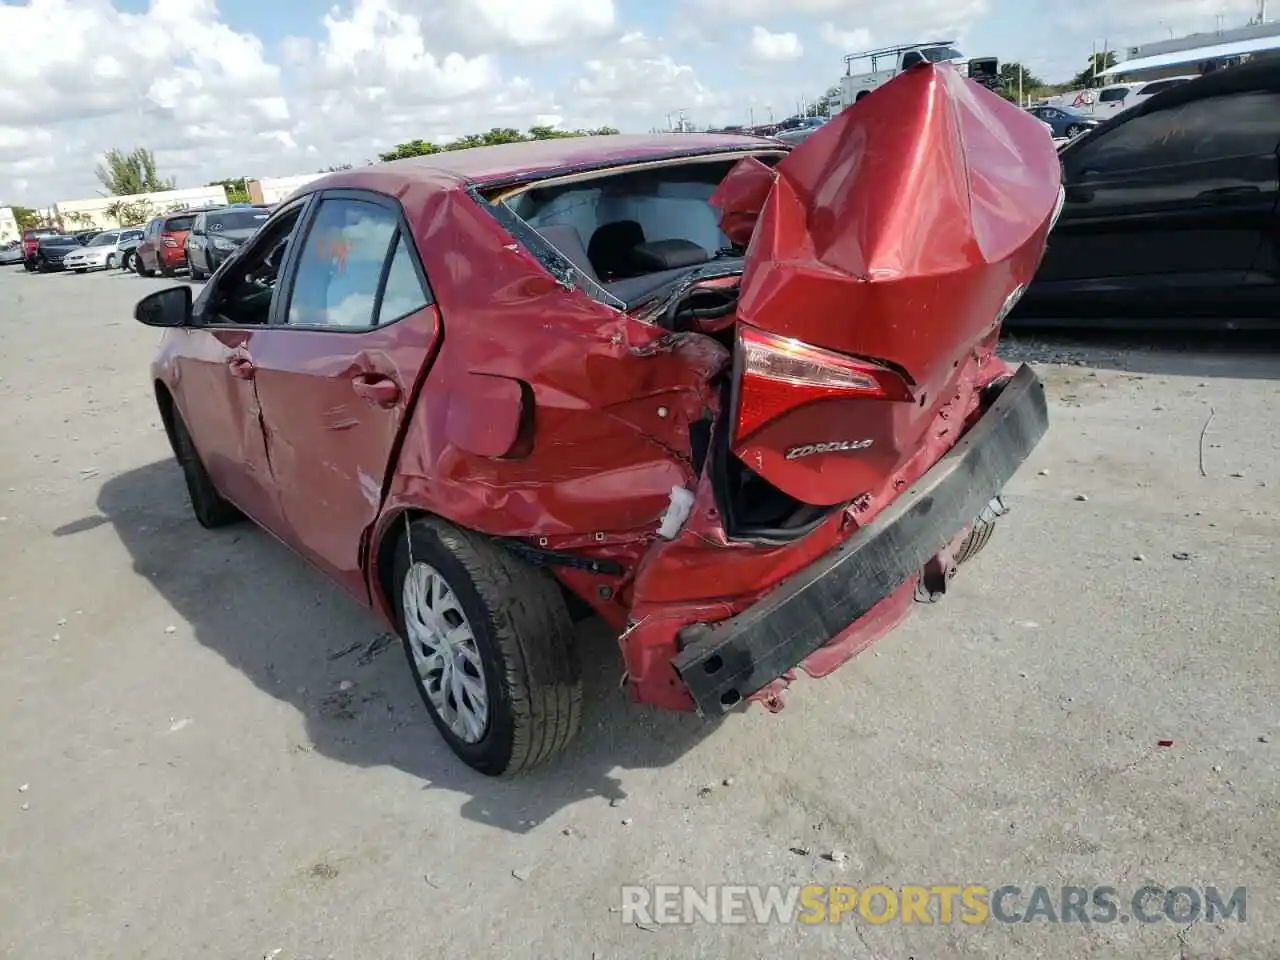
(169, 241)
(778, 374)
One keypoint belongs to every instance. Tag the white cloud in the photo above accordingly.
(212, 100)
(775, 47)
(849, 41)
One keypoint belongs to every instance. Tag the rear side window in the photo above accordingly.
(1113, 94)
(403, 293)
(341, 267)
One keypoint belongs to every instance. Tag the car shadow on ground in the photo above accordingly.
(301, 640)
(1237, 355)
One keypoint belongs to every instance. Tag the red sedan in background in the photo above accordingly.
(162, 248)
(739, 401)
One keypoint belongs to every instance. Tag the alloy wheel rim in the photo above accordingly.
(445, 654)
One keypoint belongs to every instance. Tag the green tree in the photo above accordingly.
(124, 174)
(1088, 77)
(129, 213)
(1012, 73)
(824, 105)
(237, 188)
(497, 135)
(28, 219)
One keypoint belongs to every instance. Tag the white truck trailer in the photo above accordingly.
(885, 63)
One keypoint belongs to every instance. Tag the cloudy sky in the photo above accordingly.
(276, 87)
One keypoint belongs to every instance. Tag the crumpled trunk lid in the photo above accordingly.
(882, 252)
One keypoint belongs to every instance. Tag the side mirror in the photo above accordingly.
(170, 307)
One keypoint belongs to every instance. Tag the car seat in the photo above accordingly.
(610, 246)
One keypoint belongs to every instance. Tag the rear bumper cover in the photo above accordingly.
(724, 663)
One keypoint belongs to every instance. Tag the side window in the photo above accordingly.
(1236, 125)
(1140, 142)
(1233, 125)
(403, 293)
(244, 293)
(340, 265)
(1113, 94)
(911, 58)
(197, 225)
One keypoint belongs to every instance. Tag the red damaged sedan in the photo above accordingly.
(740, 401)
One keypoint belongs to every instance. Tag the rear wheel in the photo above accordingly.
(81, 269)
(207, 504)
(140, 268)
(111, 261)
(490, 642)
(1074, 130)
(197, 275)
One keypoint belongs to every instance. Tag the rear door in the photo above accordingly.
(1164, 213)
(337, 370)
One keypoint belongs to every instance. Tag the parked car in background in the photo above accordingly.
(216, 234)
(800, 131)
(102, 252)
(745, 411)
(127, 246)
(11, 252)
(162, 248)
(1064, 121)
(30, 240)
(1149, 90)
(1113, 99)
(1170, 212)
(51, 251)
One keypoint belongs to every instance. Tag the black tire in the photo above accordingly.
(81, 270)
(28, 265)
(525, 639)
(861, 94)
(140, 268)
(978, 538)
(197, 275)
(126, 261)
(211, 510)
(111, 261)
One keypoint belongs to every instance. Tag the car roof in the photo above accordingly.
(536, 159)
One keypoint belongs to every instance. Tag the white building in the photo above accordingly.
(1188, 55)
(8, 225)
(274, 189)
(87, 214)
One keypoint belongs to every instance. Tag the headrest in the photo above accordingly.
(667, 254)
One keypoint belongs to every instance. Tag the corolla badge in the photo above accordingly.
(833, 446)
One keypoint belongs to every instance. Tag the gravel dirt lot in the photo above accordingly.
(191, 768)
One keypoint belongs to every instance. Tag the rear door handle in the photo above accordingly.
(376, 388)
(241, 368)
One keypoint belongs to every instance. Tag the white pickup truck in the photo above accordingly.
(887, 62)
